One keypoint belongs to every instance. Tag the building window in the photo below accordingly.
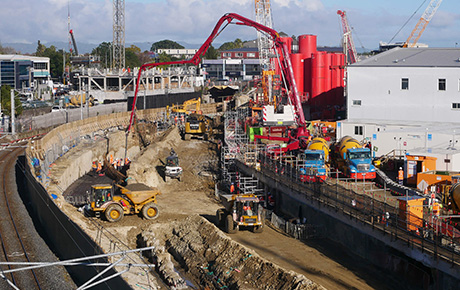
(356, 102)
(227, 54)
(40, 65)
(251, 54)
(404, 84)
(456, 106)
(239, 54)
(358, 130)
(442, 84)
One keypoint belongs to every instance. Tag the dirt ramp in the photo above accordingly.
(218, 262)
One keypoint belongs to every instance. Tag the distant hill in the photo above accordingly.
(29, 48)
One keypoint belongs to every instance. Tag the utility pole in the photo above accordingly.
(13, 131)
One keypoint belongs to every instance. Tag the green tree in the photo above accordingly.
(6, 101)
(40, 49)
(166, 44)
(212, 53)
(7, 50)
(231, 45)
(104, 51)
(131, 56)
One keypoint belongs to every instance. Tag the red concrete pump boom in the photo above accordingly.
(286, 66)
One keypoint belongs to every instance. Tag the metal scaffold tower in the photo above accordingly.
(235, 138)
(118, 34)
(265, 45)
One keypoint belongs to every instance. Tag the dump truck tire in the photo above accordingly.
(150, 211)
(220, 217)
(259, 229)
(114, 213)
(229, 225)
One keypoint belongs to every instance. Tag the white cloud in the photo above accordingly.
(309, 5)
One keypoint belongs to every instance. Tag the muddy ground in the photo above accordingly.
(186, 223)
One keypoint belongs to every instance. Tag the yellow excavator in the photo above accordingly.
(185, 109)
(197, 125)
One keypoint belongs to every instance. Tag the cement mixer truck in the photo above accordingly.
(314, 160)
(452, 198)
(354, 161)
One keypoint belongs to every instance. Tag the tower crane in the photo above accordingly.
(422, 23)
(348, 45)
(265, 45)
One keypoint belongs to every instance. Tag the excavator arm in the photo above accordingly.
(286, 66)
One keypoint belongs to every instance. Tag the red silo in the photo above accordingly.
(327, 77)
(298, 68)
(288, 42)
(318, 72)
(307, 79)
(307, 45)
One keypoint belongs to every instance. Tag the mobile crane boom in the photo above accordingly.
(286, 66)
(74, 42)
(349, 46)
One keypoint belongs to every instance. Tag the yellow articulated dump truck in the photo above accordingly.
(241, 210)
(114, 204)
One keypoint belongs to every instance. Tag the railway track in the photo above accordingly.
(19, 239)
(12, 236)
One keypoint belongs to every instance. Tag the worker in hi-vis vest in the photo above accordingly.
(400, 175)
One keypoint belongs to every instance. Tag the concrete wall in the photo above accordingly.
(358, 238)
(66, 239)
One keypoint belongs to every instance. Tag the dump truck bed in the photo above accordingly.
(139, 192)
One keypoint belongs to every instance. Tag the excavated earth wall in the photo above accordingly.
(216, 261)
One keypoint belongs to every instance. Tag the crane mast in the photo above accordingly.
(422, 23)
(265, 45)
(348, 44)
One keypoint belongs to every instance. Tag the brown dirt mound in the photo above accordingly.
(216, 261)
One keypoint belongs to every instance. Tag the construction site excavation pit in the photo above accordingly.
(190, 251)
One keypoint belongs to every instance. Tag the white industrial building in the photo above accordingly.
(406, 84)
(407, 99)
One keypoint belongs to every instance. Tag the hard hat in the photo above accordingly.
(400, 168)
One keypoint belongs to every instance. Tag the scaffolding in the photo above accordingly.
(234, 139)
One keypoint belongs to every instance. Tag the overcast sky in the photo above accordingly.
(191, 21)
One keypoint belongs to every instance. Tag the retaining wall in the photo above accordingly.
(389, 254)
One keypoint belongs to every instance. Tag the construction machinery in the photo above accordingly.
(286, 70)
(422, 23)
(188, 107)
(240, 210)
(172, 168)
(348, 45)
(114, 204)
(196, 125)
(314, 167)
(352, 159)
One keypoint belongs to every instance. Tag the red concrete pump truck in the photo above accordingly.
(285, 63)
